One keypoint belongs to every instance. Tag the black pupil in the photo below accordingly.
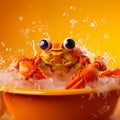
(44, 44)
(69, 43)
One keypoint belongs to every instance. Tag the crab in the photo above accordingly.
(63, 58)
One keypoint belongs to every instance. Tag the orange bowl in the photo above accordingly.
(81, 104)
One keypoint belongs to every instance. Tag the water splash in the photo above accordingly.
(2, 60)
(34, 47)
(109, 59)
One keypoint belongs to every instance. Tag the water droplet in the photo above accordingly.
(39, 29)
(80, 40)
(21, 18)
(29, 98)
(83, 96)
(93, 24)
(45, 33)
(34, 47)
(13, 100)
(103, 20)
(29, 43)
(106, 108)
(114, 27)
(71, 32)
(65, 14)
(33, 22)
(20, 50)
(72, 7)
(73, 22)
(3, 44)
(2, 61)
(33, 30)
(106, 36)
(91, 96)
(8, 49)
(94, 115)
(86, 19)
(81, 106)
(76, 34)
(25, 31)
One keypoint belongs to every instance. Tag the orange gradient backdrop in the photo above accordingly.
(95, 24)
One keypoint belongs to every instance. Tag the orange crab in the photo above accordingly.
(63, 58)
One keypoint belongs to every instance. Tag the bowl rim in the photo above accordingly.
(55, 92)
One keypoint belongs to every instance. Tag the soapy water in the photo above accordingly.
(11, 78)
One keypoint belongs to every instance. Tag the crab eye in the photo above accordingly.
(45, 44)
(69, 44)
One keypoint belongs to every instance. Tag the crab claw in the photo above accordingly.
(88, 74)
(28, 70)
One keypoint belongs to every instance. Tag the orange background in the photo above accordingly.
(95, 24)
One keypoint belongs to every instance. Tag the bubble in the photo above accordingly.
(27, 30)
(73, 22)
(106, 108)
(93, 24)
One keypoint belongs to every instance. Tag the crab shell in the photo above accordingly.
(61, 59)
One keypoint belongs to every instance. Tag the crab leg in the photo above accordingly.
(111, 72)
(89, 73)
(74, 84)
